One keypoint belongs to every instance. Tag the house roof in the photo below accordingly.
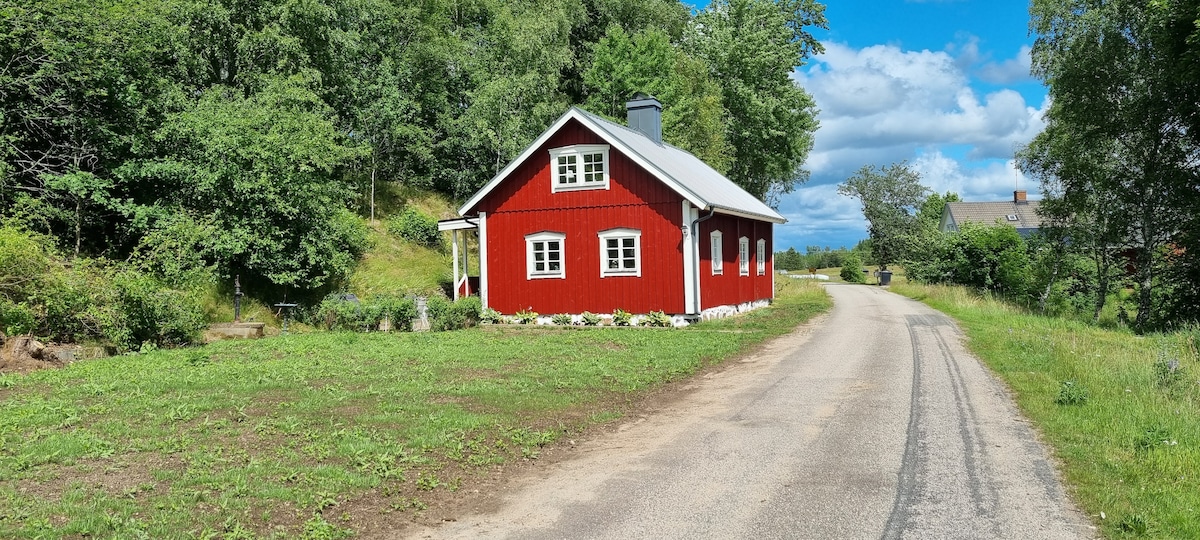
(683, 172)
(1022, 215)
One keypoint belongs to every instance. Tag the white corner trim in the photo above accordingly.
(483, 259)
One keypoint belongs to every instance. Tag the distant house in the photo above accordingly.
(596, 216)
(1019, 212)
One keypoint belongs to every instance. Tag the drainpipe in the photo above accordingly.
(696, 235)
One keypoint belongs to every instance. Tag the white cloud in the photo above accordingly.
(882, 105)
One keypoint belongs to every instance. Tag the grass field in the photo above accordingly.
(1121, 411)
(322, 435)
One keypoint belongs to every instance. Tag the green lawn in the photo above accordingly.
(1126, 428)
(321, 435)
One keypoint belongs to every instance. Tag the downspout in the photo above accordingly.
(696, 235)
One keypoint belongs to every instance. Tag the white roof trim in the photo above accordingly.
(577, 114)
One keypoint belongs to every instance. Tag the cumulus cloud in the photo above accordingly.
(882, 104)
(882, 98)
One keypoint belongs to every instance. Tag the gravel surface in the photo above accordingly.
(871, 422)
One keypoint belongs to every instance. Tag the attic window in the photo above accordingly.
(580, 166)
(1012, 217)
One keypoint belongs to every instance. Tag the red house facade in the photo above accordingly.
(595, 216)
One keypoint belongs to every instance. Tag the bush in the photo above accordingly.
(447, 315)
(490, 316)
(658, 319)
(399, 311)
(561, 319)
(621, 317)
(852, 270)
(415, 227)
(590, 319)
(16, 319)
(137, 310)
(340, 311)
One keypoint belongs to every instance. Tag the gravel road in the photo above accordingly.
(871, 422)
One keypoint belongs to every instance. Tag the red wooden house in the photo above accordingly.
(596, 216)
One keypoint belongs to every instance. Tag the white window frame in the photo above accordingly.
(762, 256)
(545, 237)
(578, 153)
(620, 235)
(743, 256)
(714, 243)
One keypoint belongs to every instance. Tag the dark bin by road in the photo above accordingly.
(885, 277)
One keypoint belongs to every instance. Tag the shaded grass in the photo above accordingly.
(284, 437)
(1125, 428)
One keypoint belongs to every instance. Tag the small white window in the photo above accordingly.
(743, 256)
(1012, 217)
(762, 256)
(717, 266)
(544, 255)
(581, 166)
(620, 252)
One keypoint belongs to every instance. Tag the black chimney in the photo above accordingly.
(645, 116)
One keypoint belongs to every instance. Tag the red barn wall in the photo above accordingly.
(523, 204)
(729, 287)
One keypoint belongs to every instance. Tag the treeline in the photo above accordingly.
(822, 257)
(241, 137)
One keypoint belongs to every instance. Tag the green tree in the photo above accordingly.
(692, 115)
(889, 197)
(1111, 69)
(751, 47)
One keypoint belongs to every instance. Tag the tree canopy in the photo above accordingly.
(890, 197)
(241, 135)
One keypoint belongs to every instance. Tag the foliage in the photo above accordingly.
(16, 318)
(621, 317)
(135, 309)
(490, 316)
(1070, 393)
(590, 319)
(456, 315)
(751, 48)
(888, 196)
(1117, 158)
(561, 319)
(526, 316)
(852, 270)
(789, 260)
(416, 227)
(657, 319)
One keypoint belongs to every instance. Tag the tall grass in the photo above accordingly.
(1121, 411)
(318, 435)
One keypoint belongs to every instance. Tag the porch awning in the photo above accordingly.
(457, 224)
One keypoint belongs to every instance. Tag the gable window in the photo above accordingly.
(762, 256)
(743, 256)
(717, 263)
(580, 166)
(544, 255)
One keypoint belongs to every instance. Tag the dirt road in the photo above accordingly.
(872, 422)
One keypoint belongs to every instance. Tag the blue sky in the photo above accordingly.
(943, 84)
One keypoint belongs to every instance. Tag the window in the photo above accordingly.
(544, 255)
(581, 166)
(620, 252)
(717, 266)
(743, 256)
(762, 256)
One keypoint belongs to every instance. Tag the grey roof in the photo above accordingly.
(988, 213)
(683, 172)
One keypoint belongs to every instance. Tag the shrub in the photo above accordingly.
(590, 319)
(621, 317)
(526, 316)
(338, 312)
(852, 270)
(561, 319)
(16, 318)
(415, 227)
(447, 315)
(138, 310)
(399, 311)
(657, 319)
(490, 316)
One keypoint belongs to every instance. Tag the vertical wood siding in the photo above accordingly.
(523, 204)
(731, 288)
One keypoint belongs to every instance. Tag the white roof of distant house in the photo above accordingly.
(683, 172)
